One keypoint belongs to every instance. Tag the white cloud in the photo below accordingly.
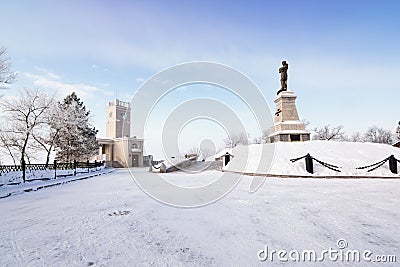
(104, 84)
(63, 88)
(48, 73)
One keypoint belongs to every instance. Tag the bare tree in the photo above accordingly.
(398, 131)
(6, 142)
(356, 137)
(257, 140)
(6, 75)
(328, 132)
(234, 140)
(306, 123)
(376, 134)
(23, 114)
(260, 140)
(46, 133)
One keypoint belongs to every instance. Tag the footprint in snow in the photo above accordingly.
(119, 213)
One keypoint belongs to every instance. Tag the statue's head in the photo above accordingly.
(284, 63)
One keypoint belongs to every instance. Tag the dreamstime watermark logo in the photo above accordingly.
(342, 243)
(341, 254)
(221, 77)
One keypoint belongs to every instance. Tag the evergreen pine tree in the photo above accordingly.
(76, 139)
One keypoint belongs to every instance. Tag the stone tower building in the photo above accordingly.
(119, 149)
(118, 122)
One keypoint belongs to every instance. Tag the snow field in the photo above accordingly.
(108, 220)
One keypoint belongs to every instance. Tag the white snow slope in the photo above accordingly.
(275, 158)
(109, 221)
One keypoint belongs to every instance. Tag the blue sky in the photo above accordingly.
(344, 55)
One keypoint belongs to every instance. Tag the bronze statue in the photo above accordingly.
(283, 71)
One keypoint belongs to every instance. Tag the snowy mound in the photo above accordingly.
(199, 166)
(174, 164)
(274, 159)
(219, 154)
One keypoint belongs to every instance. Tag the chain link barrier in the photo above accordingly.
(326, 165)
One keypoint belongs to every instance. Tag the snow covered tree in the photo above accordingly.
(234, 140)
(260, 140)
(6, 75)
(6, 143)
(306, 123)
(356, 137)
(398, 131)
(22, 114)
(46, 134)
(376, 134)
(330, 133)
(257, 140)
(76, 139)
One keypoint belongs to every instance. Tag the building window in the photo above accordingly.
(123, 115)
(284, 137)
(134, 146)
(305, 137)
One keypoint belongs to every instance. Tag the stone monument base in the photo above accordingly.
(289, 137)
(287, 126)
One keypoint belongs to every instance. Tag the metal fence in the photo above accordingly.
(57, 169)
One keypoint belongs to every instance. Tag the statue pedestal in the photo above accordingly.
(287, 126)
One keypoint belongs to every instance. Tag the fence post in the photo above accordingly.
(88, 170)
(393, 164)
(227, 158)
(151, 163)
(55, 169)
(95, 164)
(309, 163)
(74, 167)
(23, 170)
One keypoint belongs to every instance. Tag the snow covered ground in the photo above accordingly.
(109, 221)
(7, 190)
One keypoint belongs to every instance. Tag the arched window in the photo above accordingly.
(134, 146)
